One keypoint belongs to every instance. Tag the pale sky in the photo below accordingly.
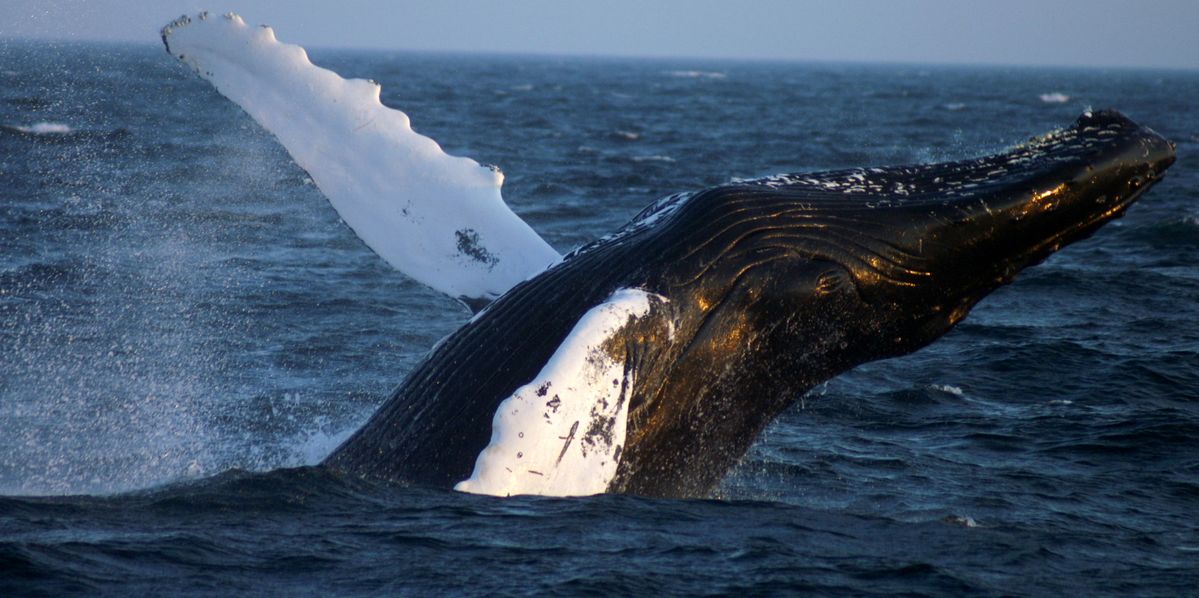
(1144, 33)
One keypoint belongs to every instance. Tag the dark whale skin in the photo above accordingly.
(772, 286)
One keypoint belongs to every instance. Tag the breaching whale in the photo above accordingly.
(648, 361)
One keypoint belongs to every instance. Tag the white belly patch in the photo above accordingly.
(562, 433)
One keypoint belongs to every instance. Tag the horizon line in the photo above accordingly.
(641, 57)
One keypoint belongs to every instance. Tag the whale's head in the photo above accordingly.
(961, 230)
(781, 283)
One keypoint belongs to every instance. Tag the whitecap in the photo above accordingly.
(194, 469)
(953, 390)
(653, 158)
(954, 106)
(1054, 98)
(961, 520)
(44, 128)
(684, 74)
(627, 135)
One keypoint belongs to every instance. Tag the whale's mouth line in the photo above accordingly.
(1091, 224)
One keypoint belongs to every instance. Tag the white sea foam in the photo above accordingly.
(653, 158)
(689, 74)
(955, 106)
(1054, 98)
(953, 390)
(44, 128)
(961, 520)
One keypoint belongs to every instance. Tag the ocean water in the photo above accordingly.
(185, 325)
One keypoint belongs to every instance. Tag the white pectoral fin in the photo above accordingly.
(562, 434)
(436, 217)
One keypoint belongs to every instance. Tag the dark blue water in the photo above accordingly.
(181, 311)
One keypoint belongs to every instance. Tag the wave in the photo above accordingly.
(1054, 98)
(685, 74)
(31, 102)
(954, 106)
(41, 128)
(653, 158)
(946, 388)
(1179, 231)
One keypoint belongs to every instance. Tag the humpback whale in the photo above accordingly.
(648, 361)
